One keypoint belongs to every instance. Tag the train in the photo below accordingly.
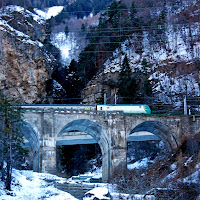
(125, 108)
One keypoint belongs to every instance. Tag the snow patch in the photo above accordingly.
(31, 185)
(49, 12)
(67, 45)
(98, 192)
(139, 164)
(193, 178)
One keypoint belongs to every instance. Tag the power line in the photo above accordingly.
(128, 9)
(131, 28)
(119, 42)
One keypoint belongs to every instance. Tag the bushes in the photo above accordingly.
(178, 172)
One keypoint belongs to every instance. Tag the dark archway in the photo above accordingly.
(160, 130)
(29, 133)
(99, 134)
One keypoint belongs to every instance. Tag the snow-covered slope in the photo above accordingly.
(166, 63)
(68, 45)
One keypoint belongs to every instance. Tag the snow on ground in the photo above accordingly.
(177, 48)
(49, 12)
(143, 163)
(28, 185)
(86, 177)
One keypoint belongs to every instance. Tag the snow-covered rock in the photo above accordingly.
(97, 193)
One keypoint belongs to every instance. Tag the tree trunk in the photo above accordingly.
(8, 174)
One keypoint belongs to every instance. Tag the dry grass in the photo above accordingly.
(143, 180)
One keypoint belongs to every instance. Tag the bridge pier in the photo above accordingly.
(118, 151)
(48, 159)
(118, 161)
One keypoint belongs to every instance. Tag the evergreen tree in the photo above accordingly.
(147, 87)
(11, 138)
(127, 84)
(72, 85)
(144, 65)
(133, 10)
(66, 30)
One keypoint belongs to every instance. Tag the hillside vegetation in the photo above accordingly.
(155, 41)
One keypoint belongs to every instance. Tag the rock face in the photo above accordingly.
(24, 65)
(100, 85)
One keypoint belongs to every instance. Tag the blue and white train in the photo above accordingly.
(126, 108)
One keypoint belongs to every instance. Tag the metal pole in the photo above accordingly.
(185, 106)
(105, 98)
(115, 98)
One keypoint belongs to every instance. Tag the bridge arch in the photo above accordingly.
(160, 130)
(99, 134)
(30, 134)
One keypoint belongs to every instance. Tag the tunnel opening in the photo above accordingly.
(83, 131)
(140, 154)
(29, 159)
(73, 160)
(148, 142)
(150, 146)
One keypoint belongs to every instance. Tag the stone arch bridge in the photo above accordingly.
(45, 125)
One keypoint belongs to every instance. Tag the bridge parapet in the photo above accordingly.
(70, 111)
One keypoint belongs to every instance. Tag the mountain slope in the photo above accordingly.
(170, 47)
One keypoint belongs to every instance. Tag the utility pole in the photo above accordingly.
(185, 106)
(115, 98)
(105, 99)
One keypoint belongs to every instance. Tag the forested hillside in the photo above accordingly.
(160, 40)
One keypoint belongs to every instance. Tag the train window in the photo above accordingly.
(101, 108)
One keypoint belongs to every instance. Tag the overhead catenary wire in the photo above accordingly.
(132, 28)
(129, 9)
(127, 36)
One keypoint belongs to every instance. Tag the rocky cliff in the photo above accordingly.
(24, 64)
